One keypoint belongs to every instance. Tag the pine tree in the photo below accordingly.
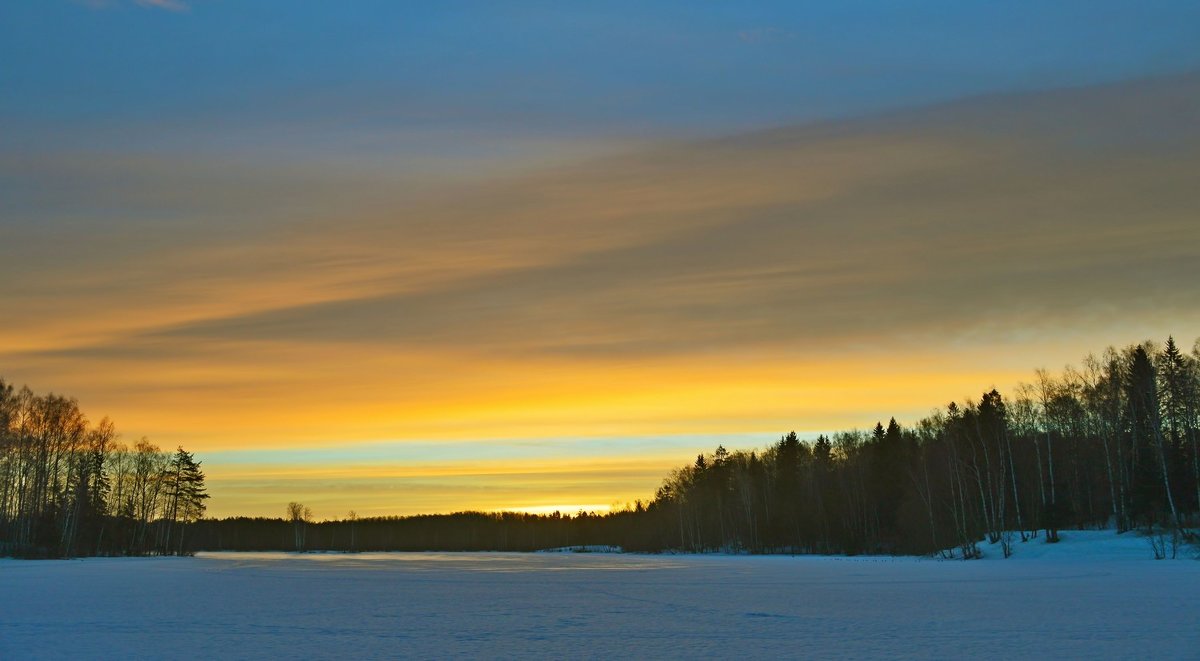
(1149, 448)
(186, 495)
(1178, 393)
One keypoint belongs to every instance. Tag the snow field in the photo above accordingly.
(1094, 595)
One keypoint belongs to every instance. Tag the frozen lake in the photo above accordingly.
(1093, 595)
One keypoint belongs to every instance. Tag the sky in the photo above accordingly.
(424, 257)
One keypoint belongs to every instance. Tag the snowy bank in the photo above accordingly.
(1095, 594)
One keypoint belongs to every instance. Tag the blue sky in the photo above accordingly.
(564, 68)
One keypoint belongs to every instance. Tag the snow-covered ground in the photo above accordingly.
(1093, 595)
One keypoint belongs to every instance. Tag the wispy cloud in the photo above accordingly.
(169, 5)
(1006, 206)
(749, 283)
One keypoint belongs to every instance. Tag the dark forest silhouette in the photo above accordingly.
(68, 488)
(1111, 444)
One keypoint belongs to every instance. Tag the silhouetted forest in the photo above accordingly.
(1110, 444)
(1113, 443)
(68, 488)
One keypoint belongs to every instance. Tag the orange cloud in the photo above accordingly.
(789, 278)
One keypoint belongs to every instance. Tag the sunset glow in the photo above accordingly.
(426, 266)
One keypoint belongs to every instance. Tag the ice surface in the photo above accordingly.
(1093, 595)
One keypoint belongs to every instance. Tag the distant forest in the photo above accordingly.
(1111, 444)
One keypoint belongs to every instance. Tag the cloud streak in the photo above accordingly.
(996, 215)
(751, 283)
(170, 5)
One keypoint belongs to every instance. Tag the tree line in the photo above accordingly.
(70, 488)
(1112, 443)
(460, 531)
